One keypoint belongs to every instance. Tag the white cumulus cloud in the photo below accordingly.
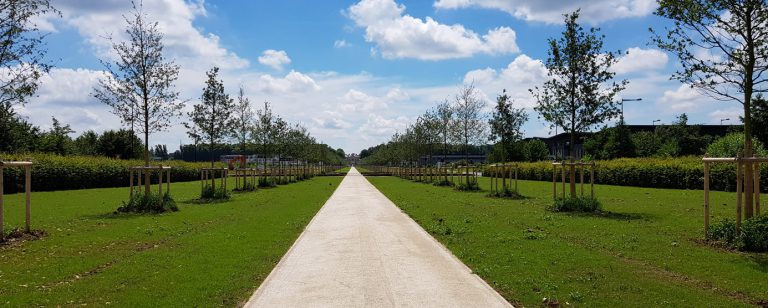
(275, 59)
(551, 11)
(639, 60)
(398, 36)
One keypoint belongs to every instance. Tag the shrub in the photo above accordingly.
(151, 203)
(250, 186)
(214, 193)
(266, 183)
(753, 235)
(468, 186)
(575, 204)
(505, 193)
(536, 150)
(724, 231)
(732, 145)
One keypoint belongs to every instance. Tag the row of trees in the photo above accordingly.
(218, 118)
(140, 89)
(581, 93)
(461, 127)
(20, 136)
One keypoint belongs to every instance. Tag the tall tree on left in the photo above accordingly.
(22, 49)
(22, 63)
(139, 85)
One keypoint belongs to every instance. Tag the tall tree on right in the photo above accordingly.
(580, 93)
(723, 50)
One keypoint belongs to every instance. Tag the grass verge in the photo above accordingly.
(643, 249)
(200, 256)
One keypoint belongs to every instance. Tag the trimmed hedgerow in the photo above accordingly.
(54, 172)
(676, 173)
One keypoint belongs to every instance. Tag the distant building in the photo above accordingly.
(352, 159)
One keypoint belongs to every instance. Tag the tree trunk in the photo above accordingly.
(212, 155)
(748, 84)
(748, 152)
(571, 169)
(146, 152)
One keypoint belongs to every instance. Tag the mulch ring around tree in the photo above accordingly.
(19, 236)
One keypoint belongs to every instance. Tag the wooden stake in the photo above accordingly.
(168, 183)
(738, 194)
(757, 188)
(563, 168)
(706, 198)
(2, 221)
(592, 180)
(28, 189)
(581, 179)
(516, 191)
(554, 181)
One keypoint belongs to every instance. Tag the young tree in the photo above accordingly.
(140, 85)
(57, 139)
(265, 132)
(469, 126)
(211, 120)
(576, 97)
(242, 120)
(119, 144)
(444, 112)
(505, 124)
(734, 37)
(86, 144)
(16, 134)
(22, 53)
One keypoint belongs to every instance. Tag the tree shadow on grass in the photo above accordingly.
(614, 215)
(205, 201)
(760, 260)
(512, 196)
(119, 215)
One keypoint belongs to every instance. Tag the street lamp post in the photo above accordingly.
(627, 100)
(726, 119)
(654, 122)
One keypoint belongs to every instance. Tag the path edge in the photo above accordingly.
(260, 289)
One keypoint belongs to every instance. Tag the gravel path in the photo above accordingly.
(362, 251)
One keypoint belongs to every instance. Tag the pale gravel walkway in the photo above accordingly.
(360, 250)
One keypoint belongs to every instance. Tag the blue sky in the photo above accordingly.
(355, 72)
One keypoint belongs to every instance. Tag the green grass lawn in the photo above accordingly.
(204, 255)
(362, 170)
(646, 252)
(343, 170)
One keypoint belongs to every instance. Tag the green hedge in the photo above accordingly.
(53, 172)
(677, 173)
